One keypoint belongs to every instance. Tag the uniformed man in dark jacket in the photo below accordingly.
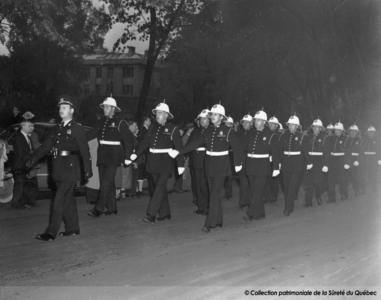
(371, 150)
(260, 144)
(217, 140)
(272, 187)
(355, 145)
(69, 145)
(244, 185)
(338, 164)
(116, 144)
(318, 150)
(293, 148)
(197, 159)
(160, 139)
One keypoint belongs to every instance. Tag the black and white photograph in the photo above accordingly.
(190, 149)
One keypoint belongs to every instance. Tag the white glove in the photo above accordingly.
(280, 165)
(356, 163)
(346, 167)
(271, 158)
(379, 162)
(173, 153)
(133, 156)
(237, 169)
(180, 170)
(276, 173)
(309, 167)
(128, 162)
(325, 169)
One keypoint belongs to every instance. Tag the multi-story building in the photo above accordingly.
(120, 75)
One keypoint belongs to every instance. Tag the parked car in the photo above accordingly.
(44, 167)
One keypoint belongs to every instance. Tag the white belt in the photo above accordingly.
(201, 149)
(337, 154)
(221, 153)
(292, 152)
(257, 155)
(102, 142)
(316, 153)
(370, 153)
(159, 150)
(355, 154)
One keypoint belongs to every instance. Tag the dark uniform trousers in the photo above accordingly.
(66, 173)
(257, 185)
(355, 179)
(202, 189)
(215, 216)
(271, 190)
(290, 181)
(337, 174)
(107, 190)
(313, 180)
(159, 201)
(193, 184)
(244, 191)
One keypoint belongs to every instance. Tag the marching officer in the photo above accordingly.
(293, 147)
(228, 184)
(197, 159)
(217, 140)
(68, 142)
(260, 144)
(371, 150)
(337, 164)
(318, 150)
(160, 139)
(244, 189)
(272, 188)
(329, 130)
(355, 146)
(116, 144)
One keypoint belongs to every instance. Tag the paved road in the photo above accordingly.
(335, 247)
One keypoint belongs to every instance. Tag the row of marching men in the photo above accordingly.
(258, 155)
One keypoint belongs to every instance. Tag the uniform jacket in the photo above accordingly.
(318, 149)
(293, 142)
(264, 143)
(371, 145)
(22, 152)
(217, 139)
(339, 144)
(114, 129)
(355, 149)
(197, 157)
(71, 137)
(161, 136)
(142, 132)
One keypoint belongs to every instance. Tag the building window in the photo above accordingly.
(99, 72)
(110, 89)
(110, 73)
(98, 89)
(128, 89)
(128, 72)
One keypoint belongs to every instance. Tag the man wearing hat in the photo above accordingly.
(68, 143)
(371, 150)
(260, 144)
(293, 148)
(244, 186)
(338, 163)
(355, 146)
(317, 144)
(116, 144)
(329, 130)
(228, 184)
(197, 159)
(217, 140)
(271, 191)
(160, 139)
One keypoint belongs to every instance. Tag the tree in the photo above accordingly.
(156, 21)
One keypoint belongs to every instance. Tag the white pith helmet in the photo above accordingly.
(163, 107)
(218, 109)
(280, 126)
(260, 115)
(330, 126)
(354, 127)
(204, 114)
(339, 126)
(274, 120)
(317, 122)
(110, 101)
(293, 120)
(229, 120)
(370, 129)
(247, 117)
